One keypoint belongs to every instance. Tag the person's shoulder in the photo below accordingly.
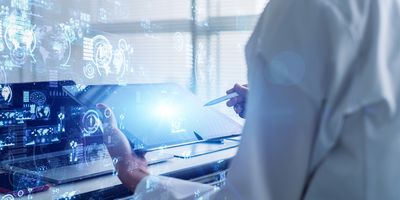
(346, 17)
(345, 10)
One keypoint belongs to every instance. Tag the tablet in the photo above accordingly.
(156, 116)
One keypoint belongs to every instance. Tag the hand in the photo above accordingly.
(130, 167)
(239, 102)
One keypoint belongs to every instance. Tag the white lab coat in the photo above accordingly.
(322, 116)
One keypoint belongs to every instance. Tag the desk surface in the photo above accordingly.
(175, 167)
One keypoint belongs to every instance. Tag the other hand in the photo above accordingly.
(238, 103)
(130, 167)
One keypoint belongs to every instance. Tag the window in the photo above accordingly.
(199, 44)
(196, 43)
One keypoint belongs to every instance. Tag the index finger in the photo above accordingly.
(109, 118)
(230, 91)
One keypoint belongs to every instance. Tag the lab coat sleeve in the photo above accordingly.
(160, 187)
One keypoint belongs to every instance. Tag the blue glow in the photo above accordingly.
(165, 110)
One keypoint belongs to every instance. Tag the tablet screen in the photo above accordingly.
(154, 116)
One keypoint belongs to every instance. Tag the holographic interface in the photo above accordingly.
(39, 117)
(103, 47)
(37, 34)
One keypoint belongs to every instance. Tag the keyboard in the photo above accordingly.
(59, 161)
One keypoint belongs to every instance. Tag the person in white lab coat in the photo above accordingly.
(322, 111)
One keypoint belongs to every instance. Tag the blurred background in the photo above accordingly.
(196, 43)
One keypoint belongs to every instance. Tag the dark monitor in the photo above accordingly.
(38, 118)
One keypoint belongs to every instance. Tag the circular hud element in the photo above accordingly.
(90, 122)
(55, 45)
(20, 193)
(107, 113)
(7, 197)
(18, 55)
(20, 38)
(122, 44)
(6, 94)
(102, 51)
(89, 71)
(109, 60)
(37, 97)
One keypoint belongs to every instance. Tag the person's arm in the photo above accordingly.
(132, 169)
